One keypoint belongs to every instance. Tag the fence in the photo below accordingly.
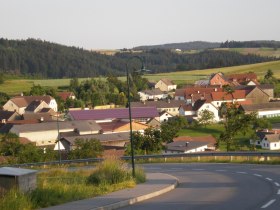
(259, 156)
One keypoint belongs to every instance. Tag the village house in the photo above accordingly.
(165, 85)
(267, 139)
(66, 95)
(254, 94)
(194, 110)
(237, 96)
(171, 106)
(67, 143)
(154, 94)
(20, 103)
(271, 109)
(46, 133)
(242, 78)
(218, 79)
(178, 147)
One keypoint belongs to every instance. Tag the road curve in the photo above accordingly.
(217, 186)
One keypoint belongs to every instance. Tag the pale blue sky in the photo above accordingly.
(115, 24)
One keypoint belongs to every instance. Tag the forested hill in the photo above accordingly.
(250, 44)
(197, 45)
(48, 60)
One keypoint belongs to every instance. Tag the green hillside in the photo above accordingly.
(13, 87)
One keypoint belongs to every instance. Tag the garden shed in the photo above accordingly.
(22, 179)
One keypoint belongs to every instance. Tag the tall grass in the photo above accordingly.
(57, 186)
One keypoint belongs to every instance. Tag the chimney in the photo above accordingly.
(4, 121)
(168, 101)
(216, 89)
(187, 143)
(42, 119)
(198, 91)
(21, 94)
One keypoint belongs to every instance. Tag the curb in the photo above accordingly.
(139, 198)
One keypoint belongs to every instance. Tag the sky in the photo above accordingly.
(117, 24)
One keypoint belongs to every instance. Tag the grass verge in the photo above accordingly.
(57, 186)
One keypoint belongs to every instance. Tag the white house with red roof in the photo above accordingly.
(194, 110)
(224, 97)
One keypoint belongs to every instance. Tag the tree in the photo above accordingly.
(3, 98)
(205, 117)
(86, 148)
(269, 74)
(236, 121)
(148, 143)
(170, 128)
(10, 145)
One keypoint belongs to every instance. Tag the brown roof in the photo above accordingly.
(65, 95)
(180, 92)
(167, 81)
(209, 139)
(24, 101)
(243, 77)
(263, 106)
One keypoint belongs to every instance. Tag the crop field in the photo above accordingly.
(258, 51)
(15, 87)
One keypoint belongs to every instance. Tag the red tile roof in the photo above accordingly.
(65, 95)
(221, 96)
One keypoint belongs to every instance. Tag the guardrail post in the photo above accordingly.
(198, 158)
(231, 158)
(182, 158)
(165, 159)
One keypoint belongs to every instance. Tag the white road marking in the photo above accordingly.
(277, 184)
(258, 175)
(221, 170)
(268, 204)
(278, 193)
(241, 172)
(268, 179)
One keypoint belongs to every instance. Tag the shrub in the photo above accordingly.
(110, 171)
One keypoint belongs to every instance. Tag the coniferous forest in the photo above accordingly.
(42, 59)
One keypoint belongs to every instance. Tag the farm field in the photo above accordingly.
(15, 87)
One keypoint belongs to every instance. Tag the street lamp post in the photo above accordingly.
(58, 139)
(129, 110)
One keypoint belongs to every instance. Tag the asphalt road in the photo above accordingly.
(217, 187)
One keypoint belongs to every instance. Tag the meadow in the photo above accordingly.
(16, 86)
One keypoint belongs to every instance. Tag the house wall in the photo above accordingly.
(272, 113)
(161, 85)
(199, 149)
(164, 117)
(174, 110)
(219, 103)
(270, 145)
(218, 80)
(171, 87)
(211, 108)
(182, 112)
(257, 96)
(11, 106)
(269, 92)
(53, 105)
(27, 182)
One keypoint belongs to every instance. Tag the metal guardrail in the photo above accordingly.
(265, 155)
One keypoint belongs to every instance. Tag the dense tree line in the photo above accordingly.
(250, 44)
(196, 45)
(38, 58)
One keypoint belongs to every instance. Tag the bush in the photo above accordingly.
(110, 171)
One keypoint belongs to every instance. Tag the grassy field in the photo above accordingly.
(15, 87)
(258, 51)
